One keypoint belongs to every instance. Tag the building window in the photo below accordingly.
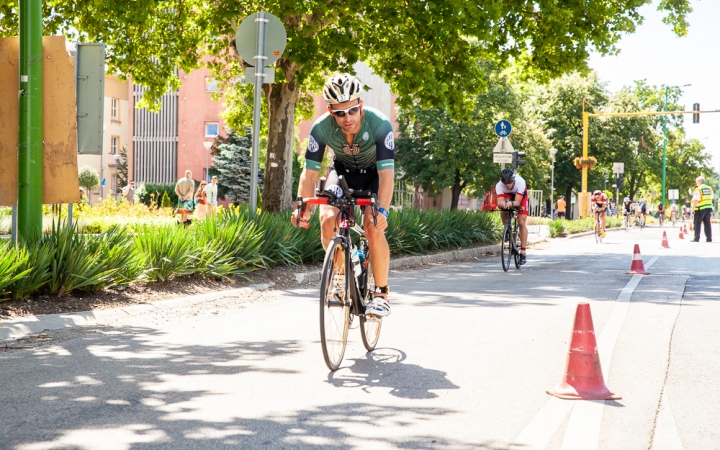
(115, 109)
(114, 145)
(211, 129)
(211, 84)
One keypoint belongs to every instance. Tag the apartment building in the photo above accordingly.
(117, 133)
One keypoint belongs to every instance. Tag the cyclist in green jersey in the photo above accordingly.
(363, 147)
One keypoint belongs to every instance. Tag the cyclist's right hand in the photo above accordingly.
(304, 219)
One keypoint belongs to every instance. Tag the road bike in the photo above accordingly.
(598, 228)
(641, 221)
(627, 222)
(347, 283)
(510, 247)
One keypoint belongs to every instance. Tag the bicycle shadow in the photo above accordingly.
(384, 368)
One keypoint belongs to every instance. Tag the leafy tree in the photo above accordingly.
(232, 163)
(558, 107)
(88, 179)
(438, 151)
(122, 170)
(424, 50)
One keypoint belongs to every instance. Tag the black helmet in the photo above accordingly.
(507, 176)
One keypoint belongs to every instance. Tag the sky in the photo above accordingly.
(656, 54)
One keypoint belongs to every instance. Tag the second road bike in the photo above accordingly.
(510, 247)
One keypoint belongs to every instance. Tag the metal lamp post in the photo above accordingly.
(552, 151)
(664, 161)
(208, 146)
(605, 172)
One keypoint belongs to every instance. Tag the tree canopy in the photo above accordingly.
(424, 50)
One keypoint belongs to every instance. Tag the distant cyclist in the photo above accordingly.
(512, 192)
(661, 212)
(642, 211)
(673, 211)
(362, 141)
(627, 208)
(599, 203)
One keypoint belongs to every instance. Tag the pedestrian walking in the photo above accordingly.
(211, 193)
(561, 207)
(128, 192)
(702, 205)
(184, 189)
(201, 201)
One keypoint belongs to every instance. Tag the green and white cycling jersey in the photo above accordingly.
(374, 144)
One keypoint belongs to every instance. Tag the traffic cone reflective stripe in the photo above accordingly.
(583, 378)
(637, 267)
(665, 242)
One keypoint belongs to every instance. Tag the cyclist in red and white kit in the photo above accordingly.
(599, 203)
(512, 192)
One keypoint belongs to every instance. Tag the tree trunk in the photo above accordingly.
(457, 188)
(281, 99)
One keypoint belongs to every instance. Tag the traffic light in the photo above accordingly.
(517, 162)
(620, 181)
(696, 112)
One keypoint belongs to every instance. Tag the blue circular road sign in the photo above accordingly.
(503, 128)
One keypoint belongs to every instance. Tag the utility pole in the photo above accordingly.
(30, 142)
(664, 161)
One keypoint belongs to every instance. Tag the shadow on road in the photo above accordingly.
(384, 368)
(131, 389)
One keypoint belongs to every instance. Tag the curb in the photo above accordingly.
(412, 261)
(18, 328)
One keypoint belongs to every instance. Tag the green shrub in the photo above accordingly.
(37, 264)
(156, 191)
(170, 250)
(165, 202)
(11, 267)
(557, 227)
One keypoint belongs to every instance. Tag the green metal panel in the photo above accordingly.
(90, 70)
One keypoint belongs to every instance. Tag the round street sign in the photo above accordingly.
(246, 39)
(503, 128)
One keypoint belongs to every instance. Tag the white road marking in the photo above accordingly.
(666, 433)
(584, 427)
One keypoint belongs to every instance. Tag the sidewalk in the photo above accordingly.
(19, 328)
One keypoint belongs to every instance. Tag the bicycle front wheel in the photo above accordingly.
(506, 248)
(369, 326)
(334, 304)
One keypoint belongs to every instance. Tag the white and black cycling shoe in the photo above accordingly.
(378, 307)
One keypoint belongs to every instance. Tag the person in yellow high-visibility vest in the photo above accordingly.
(702, 205)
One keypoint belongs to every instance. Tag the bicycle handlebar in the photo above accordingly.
(347, 201)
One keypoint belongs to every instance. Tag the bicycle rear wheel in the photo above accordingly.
(334, 304)
(506, 248)
(369, 326)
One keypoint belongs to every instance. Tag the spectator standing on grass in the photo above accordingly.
(561, 207)
(211, 193)
(184, 189)
(201, 201)
(702, 205)
(128, 192)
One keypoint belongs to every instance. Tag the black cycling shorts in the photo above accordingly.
(357, 179)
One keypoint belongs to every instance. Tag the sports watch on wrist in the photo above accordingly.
(384, 212)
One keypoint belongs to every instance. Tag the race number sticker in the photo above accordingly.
(313, 146)
(390, 141)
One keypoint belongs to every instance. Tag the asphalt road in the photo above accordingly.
(463, 362)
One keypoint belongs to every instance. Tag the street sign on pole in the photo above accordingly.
(673, 194)
(618, 168)
(503, 146)
(502, 158)
(503, 128)
(260, 41)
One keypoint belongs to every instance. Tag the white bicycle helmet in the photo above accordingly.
(342, 88)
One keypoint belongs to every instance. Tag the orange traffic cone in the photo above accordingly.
(681, 234)
(583, 379)
(665, 242)
(691, 226)
(637, 267)
(685, 230)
